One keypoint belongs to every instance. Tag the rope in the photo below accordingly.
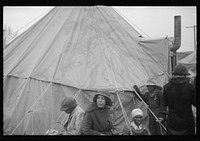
(31, 107)
(129, 22)
(27, 24)
(32, 125)
(24, 84)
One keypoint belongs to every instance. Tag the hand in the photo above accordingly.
(135, 86)
(159, 119)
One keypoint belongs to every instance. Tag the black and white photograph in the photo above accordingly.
(99, 70)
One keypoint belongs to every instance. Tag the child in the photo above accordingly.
(153, 99)
(136, 127)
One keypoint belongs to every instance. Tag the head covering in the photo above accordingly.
(103, 94)
(106, 95)
(180, 70)
(68, 103)
(136, 112)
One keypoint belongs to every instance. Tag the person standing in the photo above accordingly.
(76, 114)
(179, 96)
(97, 119)
(152, 98)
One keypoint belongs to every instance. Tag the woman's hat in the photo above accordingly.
(136, 112)
(105, 94)
(68, 103)
(180, 70)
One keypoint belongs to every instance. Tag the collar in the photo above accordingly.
(135, 126)
(75, 109)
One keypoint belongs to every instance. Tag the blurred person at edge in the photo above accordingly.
(153, 98)
(179, 96)
(98, 119)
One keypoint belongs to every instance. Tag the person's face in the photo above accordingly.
(69, 110)
(138, 120)
(101, 102)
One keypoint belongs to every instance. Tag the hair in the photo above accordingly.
(108, 101)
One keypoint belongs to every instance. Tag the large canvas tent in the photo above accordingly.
(76, 51)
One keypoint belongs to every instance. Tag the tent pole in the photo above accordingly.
(124, 112)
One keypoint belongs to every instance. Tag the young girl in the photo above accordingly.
(136, 127)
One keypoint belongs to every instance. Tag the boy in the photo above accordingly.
(136, 127)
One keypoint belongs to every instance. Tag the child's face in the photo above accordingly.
(138, 120)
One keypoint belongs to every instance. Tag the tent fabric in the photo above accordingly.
(190, 63)
(75, 51)
(190, 59)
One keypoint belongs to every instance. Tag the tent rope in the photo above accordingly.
(34, 20)
(25, 130)
(24, 84)
(28, 111)
(128, 21)
(32, 125)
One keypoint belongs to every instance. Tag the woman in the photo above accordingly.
(97, 120)
(179, 96)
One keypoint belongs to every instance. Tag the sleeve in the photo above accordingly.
(77, 125)
(163, 109)
(164, 97)
(193, 95)
(87, 125)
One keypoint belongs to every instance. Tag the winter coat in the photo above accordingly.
(74, 125)
(97, 121)
(179, 95)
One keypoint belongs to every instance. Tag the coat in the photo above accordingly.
(74, 125)
(127, 131)
(97, 121)
(179, 96)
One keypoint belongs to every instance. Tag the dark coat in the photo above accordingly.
(179, 95)
(97, 121)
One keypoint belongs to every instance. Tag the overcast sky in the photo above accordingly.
(151, 22)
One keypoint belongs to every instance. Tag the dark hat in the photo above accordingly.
(68, 103)
(180, 70)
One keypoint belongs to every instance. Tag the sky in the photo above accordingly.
(150, 21)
